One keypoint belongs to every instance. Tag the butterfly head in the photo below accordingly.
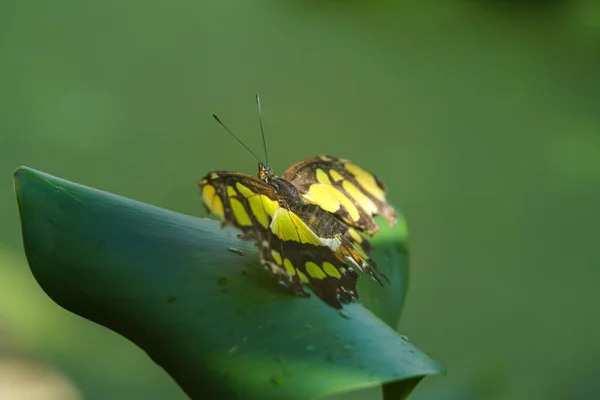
(265, 173)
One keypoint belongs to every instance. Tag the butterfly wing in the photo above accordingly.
(344, 189)
(344, 241)
(289, 247)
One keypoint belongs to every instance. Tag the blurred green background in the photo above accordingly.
(483, 118)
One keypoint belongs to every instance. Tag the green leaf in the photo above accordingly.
(194, 297)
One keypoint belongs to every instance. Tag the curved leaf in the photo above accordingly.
(195, 298)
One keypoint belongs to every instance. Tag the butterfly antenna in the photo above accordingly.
(262, 132)
(236, 138)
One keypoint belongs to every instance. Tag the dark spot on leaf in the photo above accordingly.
(330, 357)
(239, 311)
(277, 381)
(171, 299)
(222, 281)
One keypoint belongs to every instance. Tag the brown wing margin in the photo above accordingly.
(348, 191)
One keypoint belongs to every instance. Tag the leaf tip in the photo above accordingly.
(19, 171)
(18, 177)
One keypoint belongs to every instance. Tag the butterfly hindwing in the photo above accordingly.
(295, 264)
(344, 189)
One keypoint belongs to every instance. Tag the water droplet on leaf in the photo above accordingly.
(236, 251)
(343, 314)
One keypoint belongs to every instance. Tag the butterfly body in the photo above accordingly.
(305, 223)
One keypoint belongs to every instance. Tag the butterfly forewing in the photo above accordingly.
(342, 188)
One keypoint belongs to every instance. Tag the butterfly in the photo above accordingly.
(310, 224)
